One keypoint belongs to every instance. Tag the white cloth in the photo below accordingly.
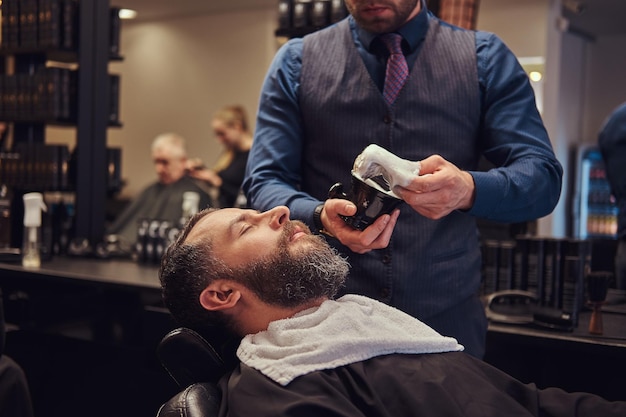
(351, 329)
(376, 160)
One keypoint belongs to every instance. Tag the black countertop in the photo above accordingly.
(120, 273)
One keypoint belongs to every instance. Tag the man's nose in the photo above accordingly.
(278, 216)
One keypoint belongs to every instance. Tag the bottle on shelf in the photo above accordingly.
(191, 200)
(33, 205)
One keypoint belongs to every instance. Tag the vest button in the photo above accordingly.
(386, 259)
(387, 119)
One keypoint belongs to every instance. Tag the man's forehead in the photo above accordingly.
(167, 152)
(214, 223)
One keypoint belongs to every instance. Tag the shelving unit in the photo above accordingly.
(594, 213)
(297, 18)
(93, 108)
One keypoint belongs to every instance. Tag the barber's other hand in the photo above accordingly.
(375, 236)
(207, 175)
(440, 189)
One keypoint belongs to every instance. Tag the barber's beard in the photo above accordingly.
(307, 271)
(401, 12)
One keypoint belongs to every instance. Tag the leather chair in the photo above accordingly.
(201, 399)
(15, 398)
(195, 364)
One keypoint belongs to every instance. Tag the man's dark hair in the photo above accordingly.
(186, 270)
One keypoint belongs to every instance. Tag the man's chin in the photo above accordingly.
(306, 243)
(377, 25)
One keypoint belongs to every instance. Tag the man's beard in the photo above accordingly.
(383, 25)
(290, 278)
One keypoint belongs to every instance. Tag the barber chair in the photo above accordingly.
(201, 399)
(195, 364)
(15, 398)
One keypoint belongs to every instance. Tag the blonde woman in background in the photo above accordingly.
(230, 126)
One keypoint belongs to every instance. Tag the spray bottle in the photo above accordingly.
(33, 205)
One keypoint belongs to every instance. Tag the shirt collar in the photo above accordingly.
(412, 31)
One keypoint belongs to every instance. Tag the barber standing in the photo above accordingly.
(324, 100)
(612, 142)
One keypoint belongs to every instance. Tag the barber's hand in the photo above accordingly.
(207, 175)
(440, 189)
(375, 236)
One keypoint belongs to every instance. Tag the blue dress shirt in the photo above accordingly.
(510, 116)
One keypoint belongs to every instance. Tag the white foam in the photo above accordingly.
(375, 160)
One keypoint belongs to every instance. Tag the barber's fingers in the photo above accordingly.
(375, 236)
(378, 234)
(432, 164)
(440, 192)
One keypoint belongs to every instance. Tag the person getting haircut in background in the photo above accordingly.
(161, 200)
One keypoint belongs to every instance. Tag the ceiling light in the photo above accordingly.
(535, 76)
(127, 14)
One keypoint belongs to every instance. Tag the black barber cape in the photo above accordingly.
(447, 384)
(157, 202)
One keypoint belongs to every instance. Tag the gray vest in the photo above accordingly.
(429, 265)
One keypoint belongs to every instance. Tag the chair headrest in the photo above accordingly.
(189, 358)
(197, 400)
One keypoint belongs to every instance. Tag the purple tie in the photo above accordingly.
(397, 68)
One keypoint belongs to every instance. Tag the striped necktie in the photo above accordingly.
(397, 69)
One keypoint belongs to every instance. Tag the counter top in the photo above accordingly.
(614, 335)
(108, 272)
(614, 325)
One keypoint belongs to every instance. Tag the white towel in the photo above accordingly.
(351, 329)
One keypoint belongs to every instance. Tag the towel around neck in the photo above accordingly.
(339, 332)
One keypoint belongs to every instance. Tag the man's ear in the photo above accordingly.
(219, 295)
